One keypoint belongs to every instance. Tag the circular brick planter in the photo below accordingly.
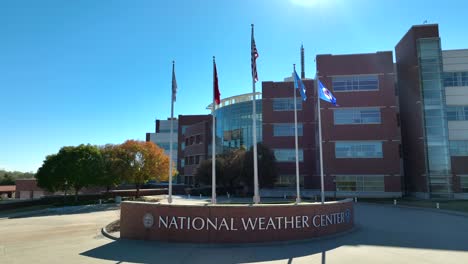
(234, 223)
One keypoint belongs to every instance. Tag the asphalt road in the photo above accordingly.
(383, 235)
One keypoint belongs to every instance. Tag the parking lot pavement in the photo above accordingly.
(383, 235)
(54, 236)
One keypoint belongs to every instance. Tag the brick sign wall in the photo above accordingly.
(233, 223)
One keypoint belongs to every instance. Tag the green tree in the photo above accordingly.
(203, 173)
(144, 161)
(85, 165)
(267, 170)
(16, 174)
(229, 167)
(7, 180)
(49, 176)
(114, 166)
(73, 167)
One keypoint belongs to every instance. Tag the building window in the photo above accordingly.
(355, 83)
(286, 104)
(357, 116)
(166, 145)
(187, 142)
(182, 163)
(452, 79)
(360, 183)
(184, 128)
(167, 130)
(286, 130)
(288, 181)
(197, 159)
(288, 155)
(457, 113)
(198, 139)
(458, 147)
(358, 149)
(182, 146)
(186, 161)
(464, 183)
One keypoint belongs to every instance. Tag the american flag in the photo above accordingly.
(254, 57)
(174, 83)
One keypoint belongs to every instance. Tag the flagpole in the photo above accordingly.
(169, 199)
(256, 198)
(322, 189)
(298, 193)
(213, 143)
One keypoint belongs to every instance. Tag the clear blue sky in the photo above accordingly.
(99, 72)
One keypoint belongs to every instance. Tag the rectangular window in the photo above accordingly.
(458, 147)
(355, 83)
(288, 155)
(168, 130)
(286, 130)
(457, 113)
(184, 128)
(464, 183)
(357, 116)
(286, 104)
(182, 163)
(288, 180)
(453, 79)
(182, 146)
(358, 149)
(198, 139)
(360, 183)
(197, 159)
(166, 145)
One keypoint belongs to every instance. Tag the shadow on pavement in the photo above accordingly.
(66, 210)
(157, 252)
(376, 225)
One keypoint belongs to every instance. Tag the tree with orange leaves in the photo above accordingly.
(144, 161)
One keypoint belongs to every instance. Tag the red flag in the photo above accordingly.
(216, 93)
(254, 53)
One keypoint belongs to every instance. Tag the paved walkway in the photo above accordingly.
(384, 235)
(202, 200)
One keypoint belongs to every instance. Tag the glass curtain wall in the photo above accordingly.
(435, 121)
(234, 125)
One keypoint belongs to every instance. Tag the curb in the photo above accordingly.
(108, 235)
(427, 209)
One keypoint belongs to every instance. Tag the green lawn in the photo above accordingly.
(453, 205)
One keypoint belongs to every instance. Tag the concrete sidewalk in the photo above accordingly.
(384, 235)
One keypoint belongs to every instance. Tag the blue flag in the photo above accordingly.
(325, 94)
(298, 84)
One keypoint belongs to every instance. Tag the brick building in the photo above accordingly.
(361, 137)
(433, 88)
(401, 128)
(194, 136)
